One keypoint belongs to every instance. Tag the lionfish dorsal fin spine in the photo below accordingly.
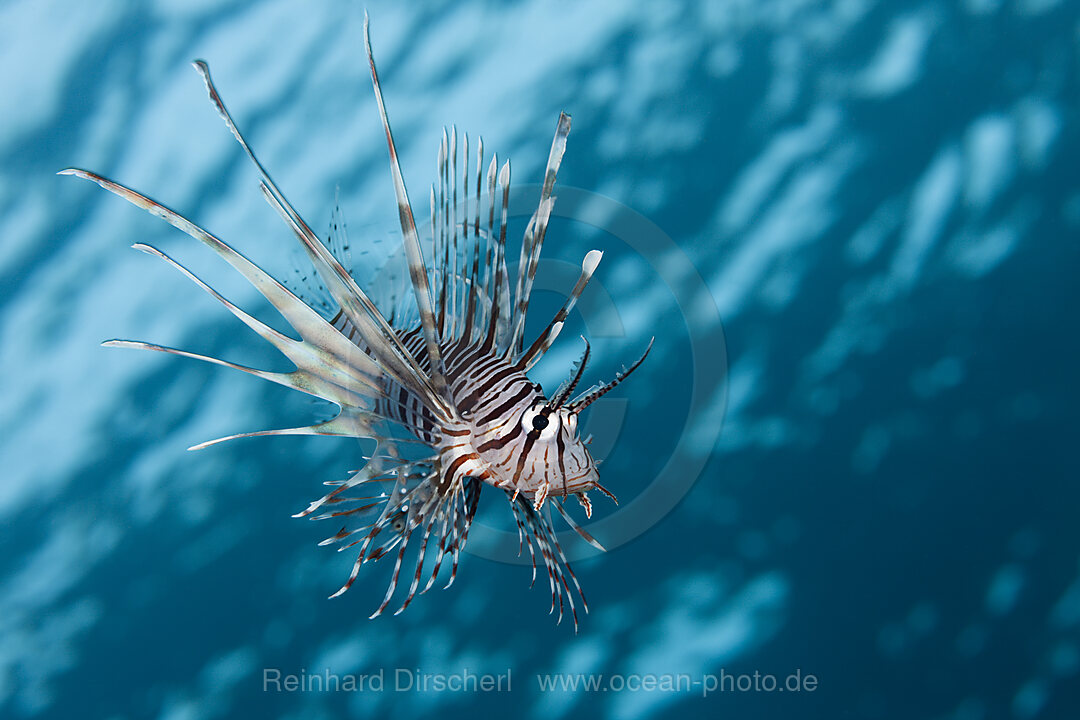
(438, 237)
(270, 187)
(466, 267)
(219, 104)
(382, 341)
(452, 219)
(437, 274)
(417, 269)
(500, 297)
(444, 235)
(543, 343)
(376, 331)
(503, 325)
(493, 167)
(476, 222)
(473, 270)
(335, 359)
(350, 385)
(534, 235)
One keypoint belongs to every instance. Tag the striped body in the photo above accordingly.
(493, 398)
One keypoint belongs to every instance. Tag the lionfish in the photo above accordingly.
(451, 371)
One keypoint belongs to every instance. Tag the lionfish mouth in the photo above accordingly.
(581, 484)
(385, 377)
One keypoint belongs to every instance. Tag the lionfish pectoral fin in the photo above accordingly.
(353, 573)
(272, 336)
(215, 98)
(418, 505)
(440, 501)
(375, 468)
(577, 528)
(537, 529)
(586, 503)
(393, 581)
(541, 495)
(440, 554)
(434, 502)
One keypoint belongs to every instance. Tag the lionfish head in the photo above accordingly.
(554, 432)
(553, 425)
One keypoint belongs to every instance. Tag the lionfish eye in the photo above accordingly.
(541, 421)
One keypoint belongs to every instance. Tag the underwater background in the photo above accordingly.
(852, 226)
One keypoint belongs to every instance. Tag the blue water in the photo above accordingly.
(852, 226)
